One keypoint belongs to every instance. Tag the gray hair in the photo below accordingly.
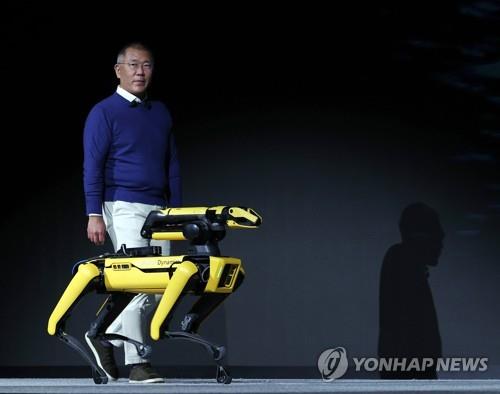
(135, 45)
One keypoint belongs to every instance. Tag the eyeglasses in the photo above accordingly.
(135, 66)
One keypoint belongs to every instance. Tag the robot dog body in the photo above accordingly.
(202, 271)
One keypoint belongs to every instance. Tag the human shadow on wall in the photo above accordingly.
(408, 324)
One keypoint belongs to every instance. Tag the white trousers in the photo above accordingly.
(124, 221)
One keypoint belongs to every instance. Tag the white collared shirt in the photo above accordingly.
(127, 95)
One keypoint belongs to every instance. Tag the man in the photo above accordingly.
(130, 168)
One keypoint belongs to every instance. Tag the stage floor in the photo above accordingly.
(260, 386)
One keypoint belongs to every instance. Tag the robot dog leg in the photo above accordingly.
(89, 277)
(178, 284)
(112, 307)
(83, 282)
(205, 305)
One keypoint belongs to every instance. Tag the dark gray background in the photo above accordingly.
(328, 123)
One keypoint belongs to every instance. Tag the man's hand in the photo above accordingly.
(96, 230)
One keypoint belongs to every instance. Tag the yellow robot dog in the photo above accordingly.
(202, 271)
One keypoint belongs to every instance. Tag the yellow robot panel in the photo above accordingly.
(223, 274)
(185, 211)
(140, 274)
(169, 236)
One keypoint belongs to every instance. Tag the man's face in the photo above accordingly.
(134, 71)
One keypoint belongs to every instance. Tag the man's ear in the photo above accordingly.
(117, 71)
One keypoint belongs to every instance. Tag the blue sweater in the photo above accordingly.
(130, 154)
